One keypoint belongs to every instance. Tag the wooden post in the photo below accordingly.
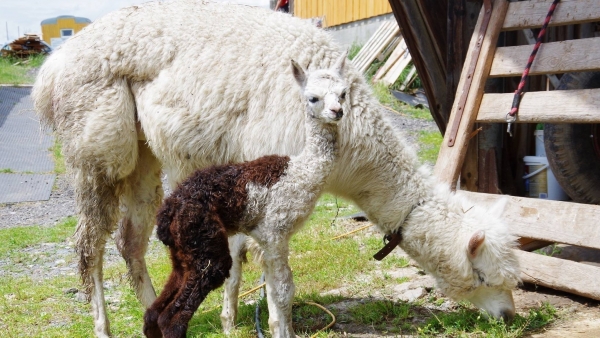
(450, 159)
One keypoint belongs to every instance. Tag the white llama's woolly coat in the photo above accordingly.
(209, 84)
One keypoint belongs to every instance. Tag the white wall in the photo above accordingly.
(358, 31)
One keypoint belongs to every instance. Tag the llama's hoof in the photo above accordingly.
(151, 329)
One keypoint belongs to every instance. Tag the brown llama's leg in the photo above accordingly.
(141, 197)
(209, 269)
(172, 287)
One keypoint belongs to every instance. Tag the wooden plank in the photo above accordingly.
(531, 14)
(551, 221)
(552, 57)
(426, 37)
(560, 274)
(380, 39)
(396, 54)
(450, 159)
(576, 106)
(409, 78)
(392, 75)
(366, 48)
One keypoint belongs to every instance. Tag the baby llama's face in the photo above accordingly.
(325, 93)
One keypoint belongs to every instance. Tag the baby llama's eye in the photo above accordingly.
(343, 96)
(313, 99)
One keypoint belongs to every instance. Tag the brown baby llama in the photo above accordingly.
(268, 198)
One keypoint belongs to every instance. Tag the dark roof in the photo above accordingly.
(78, 19)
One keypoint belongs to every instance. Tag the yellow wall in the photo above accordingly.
(338, 12)
(51, 30)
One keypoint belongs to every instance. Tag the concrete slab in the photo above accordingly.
(25, 187)
(24, 145)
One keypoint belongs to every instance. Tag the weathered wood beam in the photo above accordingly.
(423, 26)
(560, 274)
(450, 158)
(552, 58)
(551, 221)
(576, 106)
(531, 14)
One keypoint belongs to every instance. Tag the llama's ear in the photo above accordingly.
(299, 74)
(338, 66)
(498, 208)
(476, 243)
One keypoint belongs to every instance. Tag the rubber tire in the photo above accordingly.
(573, 150)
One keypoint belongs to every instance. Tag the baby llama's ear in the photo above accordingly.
(338, 66)
(476, 243)
(498, 208)
(299, 74)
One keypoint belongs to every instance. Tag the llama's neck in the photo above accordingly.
(427, 249)
(315, 162)
(378, 171)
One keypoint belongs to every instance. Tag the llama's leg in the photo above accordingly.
(172, 287)
(141, 197)
(280, 288)
(98, 213)
(237, 247)
(207, 270)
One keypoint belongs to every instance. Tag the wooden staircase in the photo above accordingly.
(550, 221)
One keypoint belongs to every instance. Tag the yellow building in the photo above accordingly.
(56, 30)
(338, 12)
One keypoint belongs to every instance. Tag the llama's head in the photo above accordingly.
(470, 252)
(324, 90)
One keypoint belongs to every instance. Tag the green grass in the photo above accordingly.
(41, 308)
(354, 49)
(6, 171)
(384, 315)
(383, 93)
(14, 239)
(59, 161)
(385, 97)
(455, 324)
(429, 146)
(15, 71)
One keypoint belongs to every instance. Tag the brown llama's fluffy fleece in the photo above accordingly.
(194, 222)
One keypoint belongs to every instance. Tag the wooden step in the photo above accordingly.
(376, 44)
(400, 50)
(560, 274)
(552, 58)
(531, 14)
(576, 106)
(551, 221)
(397, 68)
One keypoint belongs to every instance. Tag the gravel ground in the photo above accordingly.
(60, 205)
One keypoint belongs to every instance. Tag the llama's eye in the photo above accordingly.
(313, 99)
(343, 96)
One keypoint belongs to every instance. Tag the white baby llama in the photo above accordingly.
(134, 93)
(268, 198)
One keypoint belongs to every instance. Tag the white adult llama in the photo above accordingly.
(182, 85)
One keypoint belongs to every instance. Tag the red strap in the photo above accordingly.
(519, 92)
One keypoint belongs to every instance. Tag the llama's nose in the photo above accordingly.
(339, 112)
